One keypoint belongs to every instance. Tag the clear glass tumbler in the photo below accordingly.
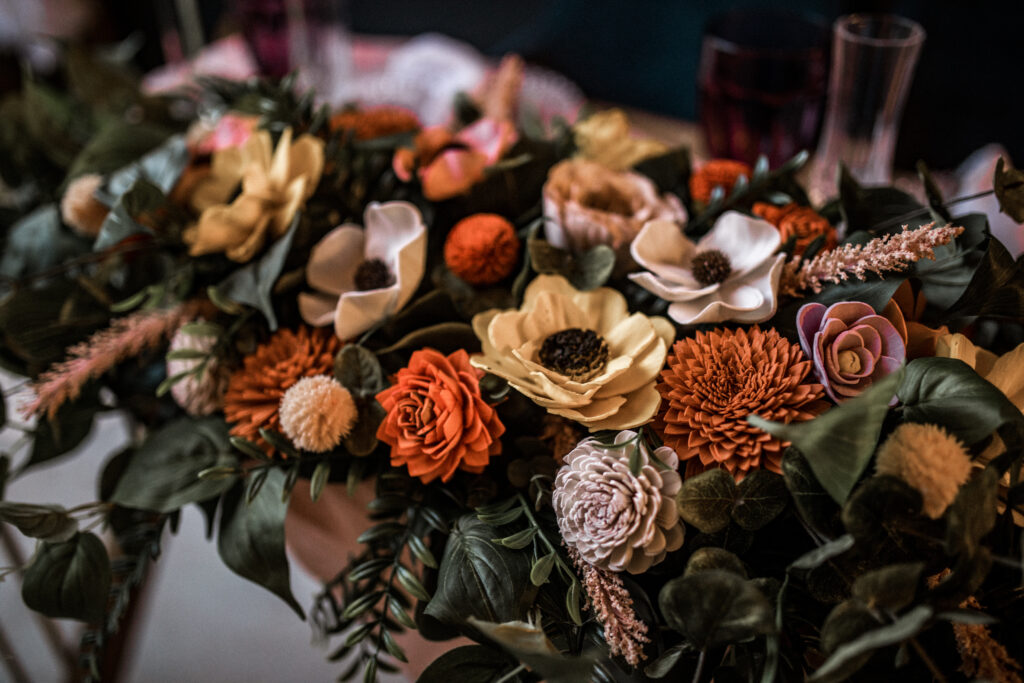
(873, 61)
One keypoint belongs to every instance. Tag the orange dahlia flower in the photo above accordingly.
(255, 390)
(716, 173)
(801, 222)
(437, 421)
(714, 380)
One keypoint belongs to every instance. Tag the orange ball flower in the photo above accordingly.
(375, 122)
(437, 421)
(482, 249)
(255, 391)
(801, 222)
(714, 380)
(716, 173)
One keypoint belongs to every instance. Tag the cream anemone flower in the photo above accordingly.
(579, 354)
(732, 273)
(363, 275)
(275, 184)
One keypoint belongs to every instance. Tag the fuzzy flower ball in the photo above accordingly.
(316, 413)
(80, 209)
(928, 458)
(618, 517)
(482, 249)
(199, 393)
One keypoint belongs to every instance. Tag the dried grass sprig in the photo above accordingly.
(125, 338)
(889, 253)
(613, 607)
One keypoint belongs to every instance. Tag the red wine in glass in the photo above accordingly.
(762, 84)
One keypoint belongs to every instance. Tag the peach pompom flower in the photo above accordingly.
(316, 413)
(363, 275)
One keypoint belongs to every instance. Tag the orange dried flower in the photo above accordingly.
(801, 222)
(437, 421)
(375, 122)
(255, 390)
(482, 249)
(716, 173)
(714, 380)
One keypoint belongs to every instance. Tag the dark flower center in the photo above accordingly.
(373, 274)
(577, 354)
(710, 267)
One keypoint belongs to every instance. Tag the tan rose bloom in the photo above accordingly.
(604, 137)
(275, 184)
(581, 355)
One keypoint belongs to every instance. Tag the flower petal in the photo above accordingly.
(746, 241)
(662, 248)
(751, 300)
(359, 311)
(317, 309)
(334, 260)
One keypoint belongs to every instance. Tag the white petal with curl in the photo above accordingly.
(746, 241)
(389, 228)
(751, 299)
(334, 260)
(359, 311)
(662, 248)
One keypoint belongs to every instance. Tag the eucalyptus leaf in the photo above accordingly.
(881, 508)
(253, 284)
(816, 506)
(480, 578)
(663, 665)
(359, 371)
(845, 623)
(124, 219)
(715, 607)
(823, 553)
(839, 443)
(710, 557)
(162, 473)
(251, 537)
(69, 580)
(972, 514)
(38, 241)
(904, 628)
(1009, 186)
(892, 587)
(705, 500)
(162, 167)
(762, 497)
(46, 522)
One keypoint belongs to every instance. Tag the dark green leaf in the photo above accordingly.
(362, 440)
(839, 444)
(813, 502)
(1009, 186)
(518, 540)
(821, 554)
(573, 600)
(882, 507)
(714, 607)
(469, 664)
(762, 498)
(359, 371)
(542, 569)
(945, 277)
(421, 552)
(319, 479)
(501, 518)
(670, 171)
(400, 615)
(46, 522)
(874, 291)
(384, 530)
(997, 288)
(972, 514)
(360, 605)
(55, 437)
(876, 208)
(162, 167)
(529, 645)
(358, 634)
(162, 474)
(845, 623)
(37, 242)
(115, 146)
(392, 647)
(123, 219)
(251, 539)
(947, 392)
(710, 557)
(904, 628)
(663, 665)
(893, 587)
(69, 580)
(253, 284)
(706, 500)
(444, 337)
(370, 670)
(412, 584)
(480, 578)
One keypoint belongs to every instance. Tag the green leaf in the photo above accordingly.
(123, 219)
(707, 499)
(57, 436)
(881, 508)
(421, 552)
(715, 607)
(444, 337)
(480, 578)
(944, 278)
(871, 208)
(813, 502)
(542, 569)
(162, 474)
(518, 540)
(823, 553)
(69, 580)
(469, 664)
(362, 440)
(997, 288)
(573, 602)
(162, 167)
(663, 665)
(359, 371)
(762, 498)
(116, 145)
(948, 392)
(845, 623)
(251, 538)
(972, 514)
(46, 522)
(412, 584)
(1009, 186)
(874, 291)
(839, 443)
(710, 557)
(893, 587)
(319, 479)
(253, 284)
(585, 271)
(39, 241)
(904, 628)
(530, 645)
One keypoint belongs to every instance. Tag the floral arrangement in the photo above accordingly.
(625, 419)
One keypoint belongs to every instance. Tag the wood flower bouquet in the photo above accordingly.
(624, 419)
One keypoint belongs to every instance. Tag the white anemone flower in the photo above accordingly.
(732, 273)
(363, 275)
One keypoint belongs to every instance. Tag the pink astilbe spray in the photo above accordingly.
(126, 338)
(613, 606)
(888, 253)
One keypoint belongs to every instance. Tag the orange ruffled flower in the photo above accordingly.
(255, 391)
(716, 173)
(714, 380)
(437, 421)
(482, 249)
(801, 222)
(375, 122)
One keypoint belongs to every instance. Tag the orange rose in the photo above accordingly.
(437, 421)
(715, 173)
(801, 222)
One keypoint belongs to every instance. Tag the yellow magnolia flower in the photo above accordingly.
(1006, 372)
(275, 184)
(604, 137)
(579, 354)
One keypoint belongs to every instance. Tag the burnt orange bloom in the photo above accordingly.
(715, 379)
(375, 122)
(482, 249)
(255, 390)
(437, 421)
(716, 173)
(801, 222)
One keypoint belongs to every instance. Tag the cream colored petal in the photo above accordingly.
(306, 158)
(594, 412)
(257, 150)
(317, 309)
(412, 261)
(359, 311)
(481, 322)
(334, 260)
(638, 408)
(505, 330)
(602, 308)
(255, 241)
(389, 228)
(751, 299)
(1007, 374)
(646, 367)
(670, 291)
(960, 347)
(746, 241)
(289, 203)
(630, 335)
(662, 248)
(664, 328)
(279, 165)
(546, 283)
